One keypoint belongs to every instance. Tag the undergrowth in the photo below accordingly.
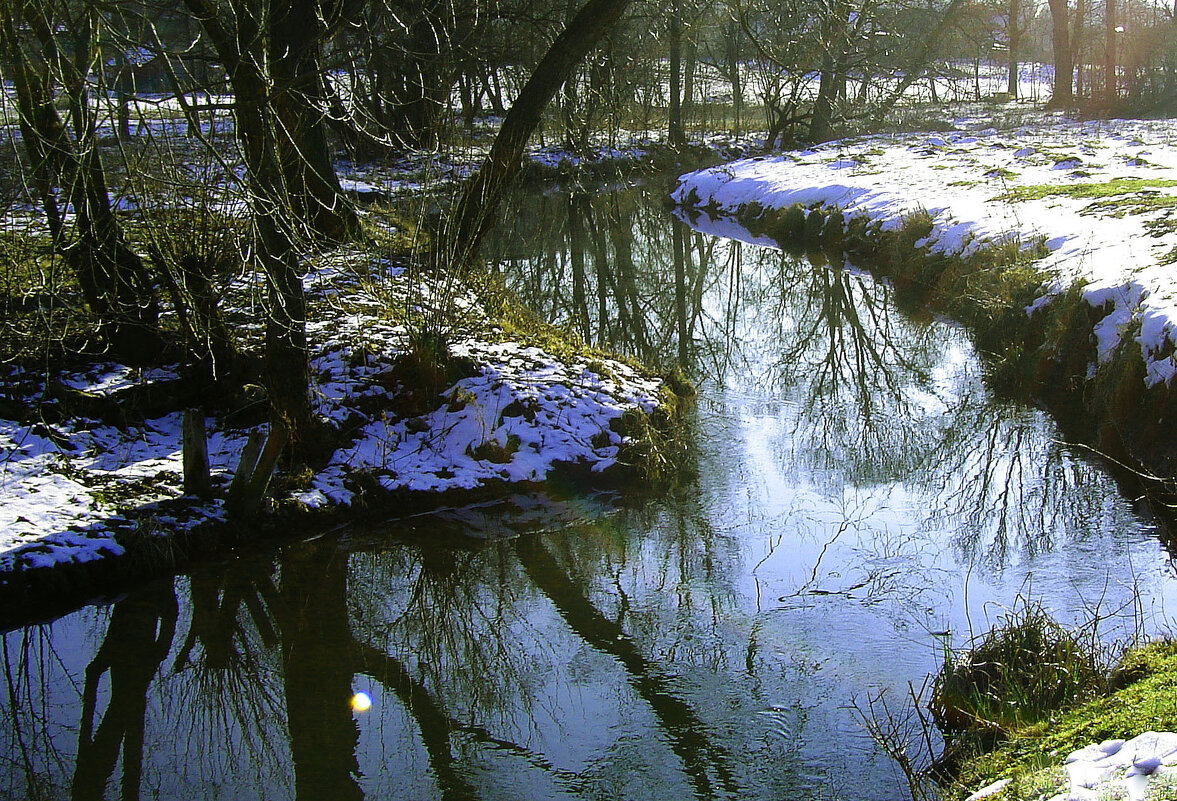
(1142, 697)
(1026, 668)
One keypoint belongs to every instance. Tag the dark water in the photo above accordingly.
(858, 493)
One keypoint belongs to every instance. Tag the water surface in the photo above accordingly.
(859, 501)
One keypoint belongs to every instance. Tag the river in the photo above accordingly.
(856, 502)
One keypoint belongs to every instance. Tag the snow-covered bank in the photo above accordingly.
(1141, 769)
(1101, 196)
(79, 491)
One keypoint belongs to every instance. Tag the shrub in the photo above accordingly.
(1025, 668)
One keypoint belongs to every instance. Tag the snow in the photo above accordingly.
(1111, 769)
(1122, 245)
(74, 492)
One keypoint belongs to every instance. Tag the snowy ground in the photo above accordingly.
(1102, 195)
(1136, 770)
(63, 487)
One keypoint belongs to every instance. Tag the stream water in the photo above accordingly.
(859, 501)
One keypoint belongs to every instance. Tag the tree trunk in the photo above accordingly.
(286, 370)
(1062, 95)
(732, 52)
(1014, 34)
(296, 37)
(821, 123)
(475, 211)
(1110, 90)
(675, 130)
(292, 184)
(114, 281)
(831, 76)
(690, 64)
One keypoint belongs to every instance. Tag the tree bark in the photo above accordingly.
(732, 57)
(1110, 89)
(1014, 34)
(298, 31)
(675, 130)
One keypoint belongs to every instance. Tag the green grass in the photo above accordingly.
(1145, 701)
(1105, 189)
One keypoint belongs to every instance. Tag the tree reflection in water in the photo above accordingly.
(701, 645)
(138, 639)
(876, 397)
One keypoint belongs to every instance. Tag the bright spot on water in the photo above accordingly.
(361, 702)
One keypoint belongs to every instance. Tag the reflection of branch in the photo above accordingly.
(435, 727)
(568, 780)
(680, 722)
(432, 721)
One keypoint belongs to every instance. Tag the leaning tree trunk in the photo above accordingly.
(918, 63)
(474, 214)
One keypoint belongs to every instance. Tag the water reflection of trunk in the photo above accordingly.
(701, 758)
(215, 601)
(680, 292)
(623, 279)
(600, 268)
(577, 211)
(318, 665)
(137, 640)
(432, 721)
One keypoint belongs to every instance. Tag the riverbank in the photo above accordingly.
(1119, 746)
(1054, 244)
(435, 391)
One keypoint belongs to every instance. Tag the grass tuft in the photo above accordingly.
(1103, 189)
(1026, 668)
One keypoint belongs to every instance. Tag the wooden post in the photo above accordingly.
(252, 478)
(195, 455)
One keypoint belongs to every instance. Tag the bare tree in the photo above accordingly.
(474, 213)
(66, 158)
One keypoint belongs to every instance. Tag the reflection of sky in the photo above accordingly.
(833, 527)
